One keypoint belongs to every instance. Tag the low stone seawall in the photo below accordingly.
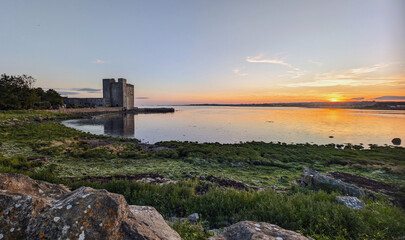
(88, 110)
(113, 109)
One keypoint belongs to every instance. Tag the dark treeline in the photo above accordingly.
(17, 92)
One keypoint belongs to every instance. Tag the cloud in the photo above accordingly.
(357, 99)
(293, 73)
(340, 82)
(315, 62)
(238, 72)
(98, 61)
(352, 77)
(142, 97)
(67, 93)
(369, 69)
(390, 98)
(87, 89)
(258, 59)
(296, 73)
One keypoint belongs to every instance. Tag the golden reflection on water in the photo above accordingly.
(290, 125)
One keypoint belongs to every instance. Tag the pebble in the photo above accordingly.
(81, 236)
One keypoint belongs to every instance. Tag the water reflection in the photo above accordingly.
(235, 124)
(122, 125)
(116, 124)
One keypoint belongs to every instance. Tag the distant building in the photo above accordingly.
(115, 94)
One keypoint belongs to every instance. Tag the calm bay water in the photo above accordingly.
(235, 124)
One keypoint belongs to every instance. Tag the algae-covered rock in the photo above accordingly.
(312, 177)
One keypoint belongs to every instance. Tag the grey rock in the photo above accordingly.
(248, 230)
(33, 209)
(312, 177)
(351, 202)
(193, 218)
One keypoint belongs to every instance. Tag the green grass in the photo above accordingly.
(21, 114)
(312, 213)
(71, 153)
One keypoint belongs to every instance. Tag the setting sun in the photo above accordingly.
(334, 100)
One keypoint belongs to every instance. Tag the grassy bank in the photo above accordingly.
(50, 151)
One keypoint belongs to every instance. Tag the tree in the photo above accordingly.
(53, 97)
(17, 92)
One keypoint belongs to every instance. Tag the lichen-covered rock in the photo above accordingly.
(38, 210)
(18, 183)
(312, 177)
(248, 230)
(149, 222)
(351, 202)
(21, 200)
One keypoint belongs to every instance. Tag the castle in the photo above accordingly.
(115, 94)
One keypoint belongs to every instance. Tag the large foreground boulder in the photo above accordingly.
(248, 230)
(312, 177)
(31, 209)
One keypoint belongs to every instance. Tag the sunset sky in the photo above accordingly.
(211, 51)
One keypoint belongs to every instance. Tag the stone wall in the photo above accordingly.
(130, 96)
(116, 94)
(107, 91)
(88, 110)
(83, 102)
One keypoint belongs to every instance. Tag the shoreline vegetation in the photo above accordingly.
(224, 183)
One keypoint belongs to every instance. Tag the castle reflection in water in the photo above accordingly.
(122, 125)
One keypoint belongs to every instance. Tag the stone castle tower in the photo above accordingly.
(118, 94)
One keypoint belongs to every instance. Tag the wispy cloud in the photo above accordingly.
(390, 98)
(98, 61)
(315, 62)
(238, 72)
(369, 69)
(357, 99)
(259, 59)
(67, 93)
(339, 82)
(87, 89)
(352, 77)
(294, 72)
(142, 97)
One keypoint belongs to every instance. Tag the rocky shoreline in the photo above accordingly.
(31, 209)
